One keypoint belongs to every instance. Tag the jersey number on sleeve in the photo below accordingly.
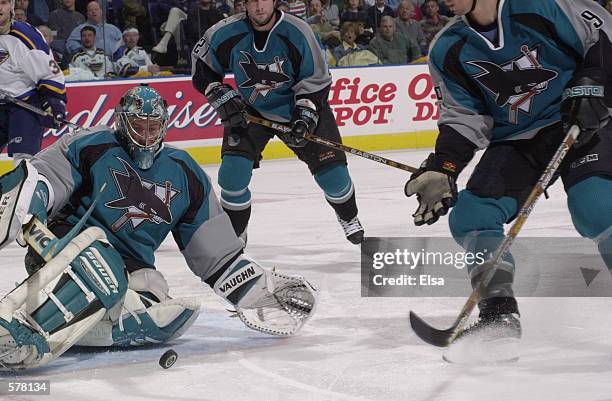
(201, 48)
(55, 69)
(593, 19)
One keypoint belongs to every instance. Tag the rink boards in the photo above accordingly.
(376, 108)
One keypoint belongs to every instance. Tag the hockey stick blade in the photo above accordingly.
(431, 335)
(443, 338)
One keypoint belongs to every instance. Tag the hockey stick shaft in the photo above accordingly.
(331, 144)
(445, 337)
(36, 110)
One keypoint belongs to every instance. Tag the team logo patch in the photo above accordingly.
(142, 200)
(515, 83)
(4, 55)
(263, 78)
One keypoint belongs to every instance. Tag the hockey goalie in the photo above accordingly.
(93, 208)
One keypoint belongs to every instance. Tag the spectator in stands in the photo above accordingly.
(171, 29)
(609, 6)
(297, 8)
(57, 47)
(349, 53)
(224, 8)
(433, 22)
(392, 48)
(108, 36)
(130, 59)
(352, 12)
(91, 58)
(136, 15)
(329, 35)
(364, 36)
(41, 9)
(20, 15)
(283, 6)
(64, 19)
(31, 18)
(199, 18)
(375, 14)
(409, 27)
(239, 6)
(332, 14)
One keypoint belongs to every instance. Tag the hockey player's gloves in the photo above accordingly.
(228, 103)
(303, 121)
(435, 186)
(583, 105)
(56, 108)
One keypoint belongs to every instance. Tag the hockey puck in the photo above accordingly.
(168, 359)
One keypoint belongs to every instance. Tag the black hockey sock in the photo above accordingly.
(347, 210)
(492, 307)
(239, 219)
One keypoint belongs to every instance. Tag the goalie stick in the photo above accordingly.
(45, 243)
(330, 144)
(443, 338)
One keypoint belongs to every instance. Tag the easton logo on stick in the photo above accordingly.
(142, 200)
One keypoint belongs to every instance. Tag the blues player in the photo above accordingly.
(27, 72)
(512, 76)
(103, 289)
(281, 74)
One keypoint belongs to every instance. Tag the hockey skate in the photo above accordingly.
(353, 231)
(493, 338)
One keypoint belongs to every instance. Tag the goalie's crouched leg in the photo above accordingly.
(56, 306)
(146, 315)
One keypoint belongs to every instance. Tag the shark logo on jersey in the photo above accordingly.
(4, 55)
(142, 200)
(516, 82)
(262, 77)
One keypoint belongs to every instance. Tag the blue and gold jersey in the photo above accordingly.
(509, 88)
(27, 65)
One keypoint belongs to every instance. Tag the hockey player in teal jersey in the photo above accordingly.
(103, 289)
(282, 75)
(512, 77)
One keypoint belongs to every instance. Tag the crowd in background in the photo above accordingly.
(126, 38)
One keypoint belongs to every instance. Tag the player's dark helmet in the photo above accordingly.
(141, 122)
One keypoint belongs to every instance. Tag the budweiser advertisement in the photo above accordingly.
(366, 101)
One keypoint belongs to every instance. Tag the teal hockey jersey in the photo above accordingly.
(290, 65)
(139, 208)
(510, 88)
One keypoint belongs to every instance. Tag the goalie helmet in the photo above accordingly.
(141, 122)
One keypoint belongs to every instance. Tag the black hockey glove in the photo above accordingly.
(228, 103)
(56, 107)
(304, 120)
(583, 105)
(435, 186)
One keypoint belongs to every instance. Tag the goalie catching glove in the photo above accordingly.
(265, 300)
(23, 194)
(434, 184)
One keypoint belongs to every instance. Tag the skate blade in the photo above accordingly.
(476, 351)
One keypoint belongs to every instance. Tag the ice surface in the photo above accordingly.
(354, 348)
